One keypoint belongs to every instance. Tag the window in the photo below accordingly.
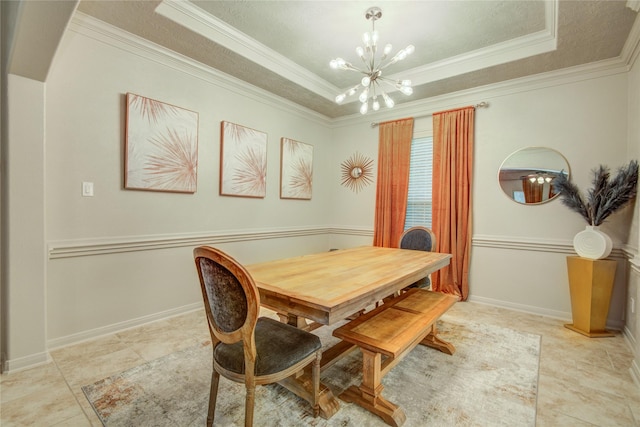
(420, 175)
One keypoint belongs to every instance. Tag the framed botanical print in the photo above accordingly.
(296, 169)
(243, 161)
(161, 152)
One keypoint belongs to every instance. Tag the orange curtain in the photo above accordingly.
(394, 155)
(453, 134)
(532, 191)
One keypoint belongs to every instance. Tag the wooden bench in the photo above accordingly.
(385, 335)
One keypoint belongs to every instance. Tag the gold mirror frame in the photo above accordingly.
(357, 172)
(526, 176)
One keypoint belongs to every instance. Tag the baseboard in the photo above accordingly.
(522, 307)
(631, 341)
(566, 316)
(634, 370)
(119, 327)
(21, 363)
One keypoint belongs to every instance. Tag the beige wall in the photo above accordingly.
(519, 252)
(632, 309)
(24, 268)
(94, 293)
(124, 257)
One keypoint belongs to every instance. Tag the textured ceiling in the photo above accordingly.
(285, 47)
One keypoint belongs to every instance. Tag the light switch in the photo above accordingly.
(87, 189)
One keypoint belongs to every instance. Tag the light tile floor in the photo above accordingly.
(583, 381)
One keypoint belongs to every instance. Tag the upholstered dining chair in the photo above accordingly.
(420, 239)
(248, 348)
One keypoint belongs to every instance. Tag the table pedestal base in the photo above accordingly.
(391, 413)
(302, 386)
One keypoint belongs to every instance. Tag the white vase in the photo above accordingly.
(592, 243)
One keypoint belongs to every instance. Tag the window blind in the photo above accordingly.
(420, 176)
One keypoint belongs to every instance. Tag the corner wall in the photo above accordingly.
(24, 269)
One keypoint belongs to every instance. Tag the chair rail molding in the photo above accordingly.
(112, 245)
(523, 243)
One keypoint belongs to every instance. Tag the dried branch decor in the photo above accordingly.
(606, 196)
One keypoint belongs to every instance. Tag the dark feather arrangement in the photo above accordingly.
(606, 196)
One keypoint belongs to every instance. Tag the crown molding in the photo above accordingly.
(487, 93)
(218, 31)
(190, 16)
(500, 53)
(110, 35)
(631, 47)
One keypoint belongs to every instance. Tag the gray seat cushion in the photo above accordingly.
(278, 346)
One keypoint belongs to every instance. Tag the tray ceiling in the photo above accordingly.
(285, 47)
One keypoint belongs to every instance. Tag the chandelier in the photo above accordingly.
(540, 178)
(372, 82)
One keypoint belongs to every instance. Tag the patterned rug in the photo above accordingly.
(491, 380)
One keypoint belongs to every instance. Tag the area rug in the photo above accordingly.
(491, 380)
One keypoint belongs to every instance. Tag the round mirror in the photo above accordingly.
(527, 175)
(356, 172)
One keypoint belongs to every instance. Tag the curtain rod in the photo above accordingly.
(483, 104)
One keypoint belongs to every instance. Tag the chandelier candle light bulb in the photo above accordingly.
(373, 80)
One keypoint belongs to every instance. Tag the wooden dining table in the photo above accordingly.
(328, 287)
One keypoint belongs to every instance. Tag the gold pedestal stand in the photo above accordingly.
(591, 286)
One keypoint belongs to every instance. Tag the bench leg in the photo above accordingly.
(368, 395)
(432, 340)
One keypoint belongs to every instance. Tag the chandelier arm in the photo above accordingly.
(387, 80)
(390, 62)
(352, 68)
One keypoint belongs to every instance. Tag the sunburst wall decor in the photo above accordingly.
(357, 172)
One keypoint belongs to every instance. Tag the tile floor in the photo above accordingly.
(583, 382)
